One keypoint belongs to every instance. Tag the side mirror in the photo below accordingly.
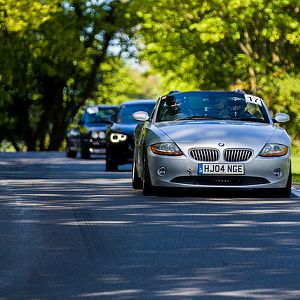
(140, 116)
(281, 118)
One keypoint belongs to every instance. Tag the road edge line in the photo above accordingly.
(296, 192)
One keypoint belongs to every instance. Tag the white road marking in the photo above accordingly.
(296, 192)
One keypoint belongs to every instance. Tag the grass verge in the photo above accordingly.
(296, 168)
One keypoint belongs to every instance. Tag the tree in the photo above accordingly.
(122, 82)
(216, 44)
(53, 53)
(17, 19)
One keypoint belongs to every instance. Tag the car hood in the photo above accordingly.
(220, 131)
(123, 128)
(95, 127)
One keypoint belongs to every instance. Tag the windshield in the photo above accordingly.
(211, 105)
(95, 114)
(125, 113)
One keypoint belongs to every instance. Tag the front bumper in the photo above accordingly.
(94, 146)
(182, 171)
(121, 152)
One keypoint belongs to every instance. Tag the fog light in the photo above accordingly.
(277, 172)
(162, 171)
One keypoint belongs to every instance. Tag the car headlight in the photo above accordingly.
(166, 149)
(271, 150)
(94, 134)
(118, 137)
(102, 135)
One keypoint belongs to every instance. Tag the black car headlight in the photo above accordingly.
(95, 135)
(118, 137)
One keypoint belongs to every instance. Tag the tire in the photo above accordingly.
(111, 165)
(148, 188)
(70, 154)
(287, 191)
(284, 192)
(137, 182)
(84, 153)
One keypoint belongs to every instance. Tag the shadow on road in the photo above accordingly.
(90, 236)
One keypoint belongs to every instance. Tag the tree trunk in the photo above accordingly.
(252, 80)
(248, 50)
(52, 103)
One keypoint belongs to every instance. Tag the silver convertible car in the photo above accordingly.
(211, 139)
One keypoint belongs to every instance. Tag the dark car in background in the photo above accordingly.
(120, 135)
(87, 132)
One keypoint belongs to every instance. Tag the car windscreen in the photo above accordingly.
(211, 105)
(125, 113)
(99, 114)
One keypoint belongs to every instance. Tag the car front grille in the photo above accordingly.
(220, 181)
(201, 154)
(234, 155)
(212, 155)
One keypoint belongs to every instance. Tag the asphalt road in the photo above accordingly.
(70, 230)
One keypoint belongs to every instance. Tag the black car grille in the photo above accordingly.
(234, 155)
(201, 154)
(221, 181)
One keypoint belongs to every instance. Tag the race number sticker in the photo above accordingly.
(253, 99)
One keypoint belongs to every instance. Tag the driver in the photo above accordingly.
(172, 106)
(172, 109)
(236, 108)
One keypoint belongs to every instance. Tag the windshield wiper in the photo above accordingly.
(250, 119)
(105, 121)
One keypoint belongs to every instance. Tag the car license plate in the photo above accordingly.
(222, 169)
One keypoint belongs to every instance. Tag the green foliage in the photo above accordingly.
(57, 55)
(220, 42)
(21, 16)
(296, 162)
(296, 167)
(296, 179)
(122, 82)
(51, 63)
(216, 44)
(283, 95)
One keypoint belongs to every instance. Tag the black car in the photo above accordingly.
(119, 136)
(87, 132)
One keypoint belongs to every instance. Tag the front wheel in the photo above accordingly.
(111, 165)
(137, 182)
(84, 152)
(69, 153)
(148, 188)
(286, 191)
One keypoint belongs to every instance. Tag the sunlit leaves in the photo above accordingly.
(21, 15)
(221, 44)
(51, 53)
(123, 83)
(210, 29)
